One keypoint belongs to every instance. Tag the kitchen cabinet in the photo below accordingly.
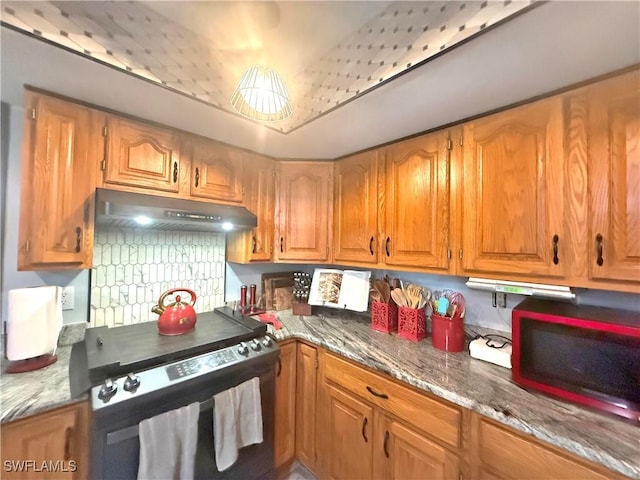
(417, 203)
(257, 244)
(305, 193)
(216, 171)
(355, 217)
(143, 156)
(614, 179)
(55, 443)
(306, 383)
(60, 141)
(500, 452)
(376, 428)
(285, 406)
(349, 436)
(513, 193)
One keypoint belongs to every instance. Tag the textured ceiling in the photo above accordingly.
(328, 52)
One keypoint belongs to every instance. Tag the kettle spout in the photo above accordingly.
(158, 309)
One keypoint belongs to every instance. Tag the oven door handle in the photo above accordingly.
(133, 431)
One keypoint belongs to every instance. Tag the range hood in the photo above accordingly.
(125, 209)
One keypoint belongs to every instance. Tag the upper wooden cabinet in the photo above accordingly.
(141, 155)
(304, 211)
(355, 214)
(614, 179)
(58, 437)
(216, 171)
(513, 183)
(417, 203)
(61, 141)
(257, 244)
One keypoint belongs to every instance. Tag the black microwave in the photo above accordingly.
(587, 355)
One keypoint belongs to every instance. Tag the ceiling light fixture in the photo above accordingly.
(261, 95)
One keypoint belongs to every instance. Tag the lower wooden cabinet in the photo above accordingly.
(284, 448)
(306, 392)
(51, 445)
(502, 453)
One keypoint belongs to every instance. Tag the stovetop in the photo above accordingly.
(112, 352)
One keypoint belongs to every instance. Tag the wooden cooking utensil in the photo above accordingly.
(399, 297)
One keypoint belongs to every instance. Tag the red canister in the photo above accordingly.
(447, 333)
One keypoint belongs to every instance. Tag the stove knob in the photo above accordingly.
(107, 390)
(266, 341)
(255, 345)
(243, 349)
(131, 383)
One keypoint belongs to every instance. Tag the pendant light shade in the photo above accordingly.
(261, 95)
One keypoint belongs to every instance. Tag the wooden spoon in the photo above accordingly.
(399, 297)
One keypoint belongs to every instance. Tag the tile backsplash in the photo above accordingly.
(133, 267)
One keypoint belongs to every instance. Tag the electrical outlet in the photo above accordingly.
(68, 298)
(501, 299)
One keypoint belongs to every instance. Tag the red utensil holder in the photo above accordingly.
(412, 323)
(447, 333)
(384, 317)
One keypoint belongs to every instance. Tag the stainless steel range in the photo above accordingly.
(136, 374)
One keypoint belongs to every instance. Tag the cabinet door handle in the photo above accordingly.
(281, 244)
(364, 428)
(376, 394)
(254, 244)
(279, 367)
(197, 177)
(67, 443)
(386, 246)
(78, 239)
(599, 259)
(555, 249)
(371, 245)
(175, 172)
(386, 444)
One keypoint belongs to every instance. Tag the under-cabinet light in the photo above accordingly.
(521, 288)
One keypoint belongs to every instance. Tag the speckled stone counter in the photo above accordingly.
(474, 384)
(25, 394)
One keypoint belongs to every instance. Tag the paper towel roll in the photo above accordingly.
(34, 321)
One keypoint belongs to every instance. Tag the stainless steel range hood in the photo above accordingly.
(126, 209)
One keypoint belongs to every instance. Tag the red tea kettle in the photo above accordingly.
(177, 317)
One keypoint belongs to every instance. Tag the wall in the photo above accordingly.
(237, 275)
(12, 118)
(132, 268)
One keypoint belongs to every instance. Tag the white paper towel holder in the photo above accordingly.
(30, 364)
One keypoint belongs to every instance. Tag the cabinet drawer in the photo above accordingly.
(434, 417)
(507, 452)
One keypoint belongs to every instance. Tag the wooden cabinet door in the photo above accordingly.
(216, 171)
(513, 192)
(350, 430)
(355, 217)
(57, 438)
(614, 179)
(256, 245)
(417, 203)
(413, 457)
(140, 155)
(61, 143)
(284, 448)
(304, 211)
(306, 405)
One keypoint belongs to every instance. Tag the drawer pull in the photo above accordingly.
(386, 246)
(386, 444)
(371, 245)
(555, 249)
(279, 367)
(376, 394)
(175, 172)
(78, 239)
(281, 244)
(364, 427)
(599, 259)
(254, 244)
(197, 177)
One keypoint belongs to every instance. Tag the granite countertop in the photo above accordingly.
(25, 394)
(456, 377)
(479, 386)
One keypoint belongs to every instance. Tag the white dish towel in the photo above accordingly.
(168, 444)
(237, 421)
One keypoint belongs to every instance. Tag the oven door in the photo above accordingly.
(116, 445)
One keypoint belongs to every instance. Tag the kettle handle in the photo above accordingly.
(169, 292)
